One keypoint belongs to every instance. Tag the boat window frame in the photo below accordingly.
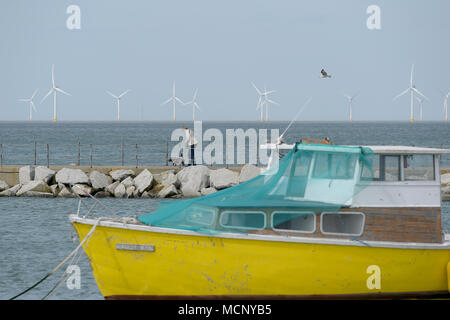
(244, 212)
(213, 219)
(311, 213)
(343, 213)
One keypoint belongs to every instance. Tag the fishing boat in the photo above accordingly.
(326, 221)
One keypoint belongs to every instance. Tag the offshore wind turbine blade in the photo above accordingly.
(272, 102)
(257, 90)
(196, 105)
(177, 99)
(33, 106)
(49, 93)
(53, 75)
(34, 93)
(419, 93)
(412, 75)
(62, 91)
(24, 100)
(112, 95)
(401, 94)
(167, 101)
(124, 93)
(269, 92)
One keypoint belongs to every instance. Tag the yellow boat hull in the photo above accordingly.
(185, 265)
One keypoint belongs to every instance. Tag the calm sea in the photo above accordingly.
(18, 139)
(35, 234)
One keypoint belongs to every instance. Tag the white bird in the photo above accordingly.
(32, 106)
(174, 100)
(194, 104)
(350, 102)
(53, 90)
(118, 101)
(411, 89)
(263, 100)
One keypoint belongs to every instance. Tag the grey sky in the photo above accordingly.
(219, 47)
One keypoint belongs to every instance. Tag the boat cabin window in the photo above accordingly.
(342, 223)
(202, 216)
(334, 165)
(294, 221)
(418, 167)
(248, 220)
(386, 167)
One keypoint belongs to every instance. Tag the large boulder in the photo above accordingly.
(43, 173)
(110, 188)
(445, 179)
(248, 171)
(11, 192)
(119, 175)
(26, 174)
(168, 178)
(82, 190)
(54, 188)
(71, 176)
(99, 180)
(130, 191)
(206, 191)
(37, 186)
(128, 182)
(144, 181)
(120, 191)
(223, 178)
(192, 179)
(65, 193)
(167, 191)
(3, 185)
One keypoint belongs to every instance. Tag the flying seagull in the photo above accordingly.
(324, 74)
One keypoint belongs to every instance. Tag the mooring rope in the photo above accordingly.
(62, 262)
(66, 274)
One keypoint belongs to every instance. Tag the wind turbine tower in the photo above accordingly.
(32, 106)
(350, 104)
(194, 104)
(411, 89)
(263, 100)
(174, 100)
(54, 90)
(118, 101)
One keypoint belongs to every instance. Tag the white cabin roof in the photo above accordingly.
(376, 149)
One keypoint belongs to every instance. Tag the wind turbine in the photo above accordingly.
(411, 89)
(350, 103)
(446, 96)
(194, 104)
(263, 100)
(174, 100)
(53, 90)
(30, 100)
(421, 107)
(118, 101)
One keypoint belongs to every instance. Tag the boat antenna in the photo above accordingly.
(295, 118)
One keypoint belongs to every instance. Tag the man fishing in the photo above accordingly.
(191, 142)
